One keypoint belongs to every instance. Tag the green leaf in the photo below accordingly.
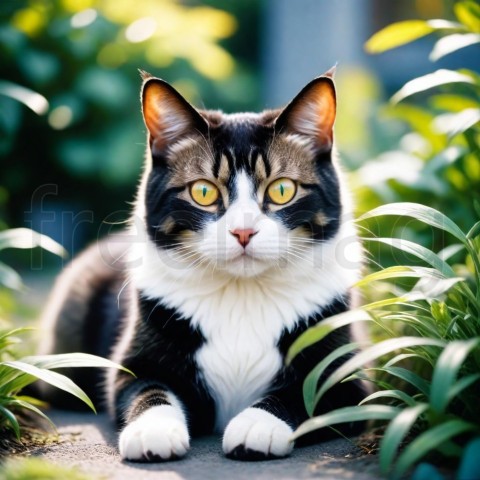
(400, 33)
(372, 353)
(429, 441)
(396, 431)
(446, 371)
(452, 43)
(474, 231)
(431, 80)
(422, 213)
(11, 419)
(17, 402)
(410, 377)
(452, 124)
(322, 329)
(311, 381)
(69, 360)
(53, 378)
(26, 238)
(421, 252)
(469, 14)
(399, 272)
(396, 394)
(450, 250)
(10, 278)
(347, 414)
(461, 385)
(452, 102)
(33, 100)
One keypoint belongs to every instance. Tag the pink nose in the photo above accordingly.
(243, 235)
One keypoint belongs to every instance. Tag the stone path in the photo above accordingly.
(89, 443)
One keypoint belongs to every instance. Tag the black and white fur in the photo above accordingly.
(203, 321)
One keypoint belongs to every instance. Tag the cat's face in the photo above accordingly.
(241, 193)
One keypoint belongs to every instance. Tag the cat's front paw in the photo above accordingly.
(157, 435)
(255, 434)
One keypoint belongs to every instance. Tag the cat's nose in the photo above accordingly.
(243, 235)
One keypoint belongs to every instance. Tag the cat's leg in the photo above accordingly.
(260, 432)
(155, 424)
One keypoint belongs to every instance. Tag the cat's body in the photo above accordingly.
(240, 240)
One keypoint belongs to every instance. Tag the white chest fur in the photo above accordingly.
(242, 318)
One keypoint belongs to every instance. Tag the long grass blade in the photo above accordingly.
(345, 415)
(68, 360)
(399, 272)
(396, 432)
(53, 378)
(369, 354)
(425, 214)
(420, 252)
(311, 381)
(320, 331)
(395, 394)
(446, 370)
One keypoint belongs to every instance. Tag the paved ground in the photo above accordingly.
(89, 444)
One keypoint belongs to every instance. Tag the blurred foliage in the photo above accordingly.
(437, 159)
(82, 56)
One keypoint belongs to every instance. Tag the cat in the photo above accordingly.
(238, 243)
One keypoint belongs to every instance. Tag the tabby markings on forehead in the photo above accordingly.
(224, 169)
(292, 156)
(260, 170)
(189, 160)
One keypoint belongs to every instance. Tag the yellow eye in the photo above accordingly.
(281, 191)
(204, 192)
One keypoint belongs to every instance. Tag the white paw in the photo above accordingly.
(255, 434)
(158, 434)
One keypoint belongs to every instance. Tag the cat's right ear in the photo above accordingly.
(167, 115)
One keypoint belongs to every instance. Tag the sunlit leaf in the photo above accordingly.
(427, 442)
(399, 272)
(395, 433)
(400, 33)
(452, 124)
(395, 394)
(10, 278)
(431, 80)
(370, 354)
(422, 213)
(469, 14)
(452, 43)
(53, 378)
(25, 238)
(421, 252)
(68, 360)
(33, 100)
(316, 333)
(452, 102)
(347, 414)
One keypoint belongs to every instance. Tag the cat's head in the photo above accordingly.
(240, 193)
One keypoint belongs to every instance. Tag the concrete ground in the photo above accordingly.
(89, 444)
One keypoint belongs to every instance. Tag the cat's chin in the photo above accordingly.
(245, 266)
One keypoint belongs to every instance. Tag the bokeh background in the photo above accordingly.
(72, 139)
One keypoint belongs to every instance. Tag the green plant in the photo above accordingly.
(429, 380)
(15, 374)
(437, 160)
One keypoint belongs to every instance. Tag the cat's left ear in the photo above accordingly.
(312, 112)
(168, 116)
